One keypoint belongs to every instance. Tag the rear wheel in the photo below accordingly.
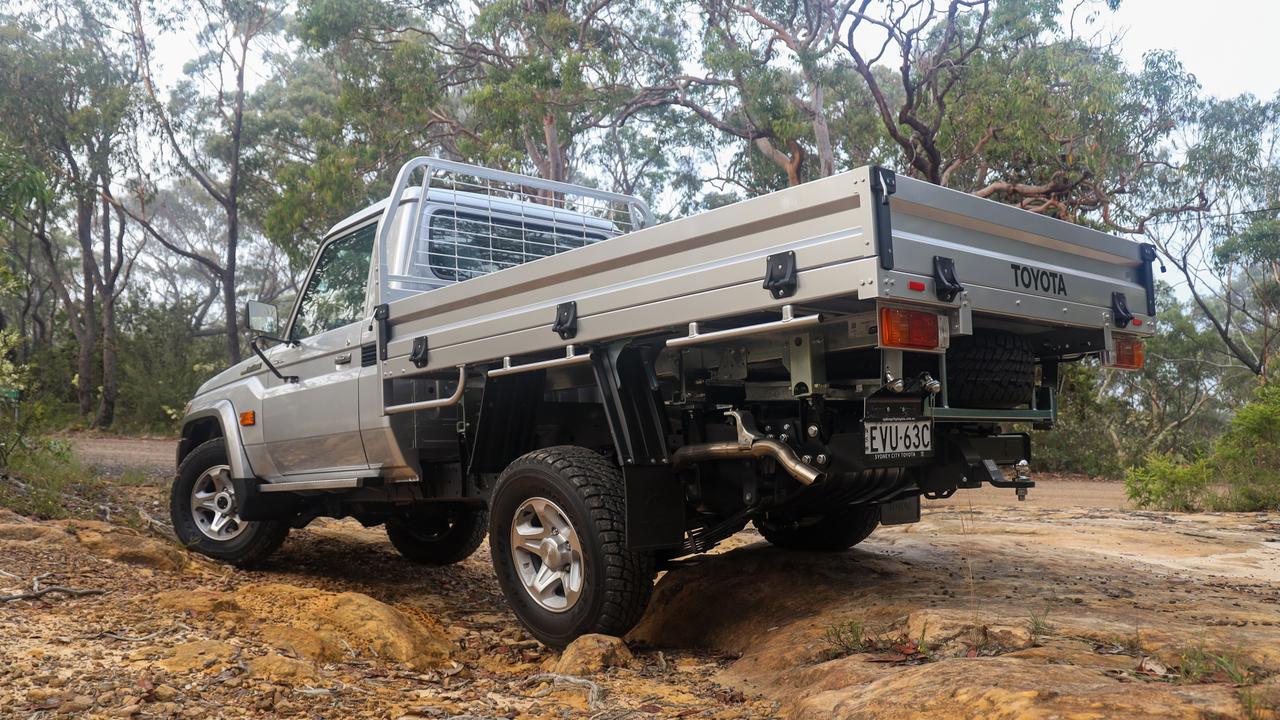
(990, 369)
(837, 531)
(205, 511)
(556, 535)
(439, 536)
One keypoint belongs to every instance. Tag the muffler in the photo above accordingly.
(749, 444)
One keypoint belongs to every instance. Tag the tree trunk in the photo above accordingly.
(87, 334)
(107, 272)
(107, 403)
(821, 131)
(556, 165)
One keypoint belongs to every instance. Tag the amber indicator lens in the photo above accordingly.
(248, 417)
(1129, 354)
(912, 329)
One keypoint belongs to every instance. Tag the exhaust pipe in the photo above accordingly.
(758, 448)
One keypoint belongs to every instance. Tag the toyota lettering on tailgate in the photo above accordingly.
(1031, 278)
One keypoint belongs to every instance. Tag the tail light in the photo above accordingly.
(911, 329)
(1128, 354)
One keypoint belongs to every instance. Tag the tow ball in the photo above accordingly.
(1020, 483)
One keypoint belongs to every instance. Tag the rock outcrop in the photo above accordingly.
(960, 617)
(593, 653)
(323, 626)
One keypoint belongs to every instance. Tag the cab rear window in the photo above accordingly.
(462, 246)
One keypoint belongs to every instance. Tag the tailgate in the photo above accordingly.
(1012, 262)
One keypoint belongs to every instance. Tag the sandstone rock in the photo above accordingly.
(367, 626)
(278, 668)
(1007, 689)
(592, 654)
(34, 533)
(314, 645)
(199, 602)
(164, 693)
(957, 630)
(196, 656)
(125, 546)
(76, 705)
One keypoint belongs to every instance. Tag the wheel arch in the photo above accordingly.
(215, 420)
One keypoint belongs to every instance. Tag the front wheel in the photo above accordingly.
(556, 535)
(205, 511)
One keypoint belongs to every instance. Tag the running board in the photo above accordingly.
(335, 484)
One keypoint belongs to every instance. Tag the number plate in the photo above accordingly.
(894, 439)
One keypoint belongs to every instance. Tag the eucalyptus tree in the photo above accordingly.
(999, 100)
(1229, 255)
(767, 74)
(201, 122)
(65, 88)
(520, 84)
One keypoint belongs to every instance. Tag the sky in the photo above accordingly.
(1231, 46)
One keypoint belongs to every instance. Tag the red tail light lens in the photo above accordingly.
(909, 329)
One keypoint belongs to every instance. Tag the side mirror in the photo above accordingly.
(261, 317)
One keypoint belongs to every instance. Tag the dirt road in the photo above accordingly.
(1063, 606)
(112, 457)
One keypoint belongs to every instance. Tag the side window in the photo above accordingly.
(335, 294)
(462, 246)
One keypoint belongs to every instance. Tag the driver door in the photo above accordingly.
(313, 425)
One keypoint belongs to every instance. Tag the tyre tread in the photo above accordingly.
(991, 369)
(266, 535)
(628, 576)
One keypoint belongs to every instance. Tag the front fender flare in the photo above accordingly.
(225, 414)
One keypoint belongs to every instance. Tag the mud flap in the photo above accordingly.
(252, 504)
(636, 417)
(900, 512)
(654, 508)
(505, 428)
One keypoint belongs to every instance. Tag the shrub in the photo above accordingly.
(44, 480)
(1168, 483)
(1241, 474)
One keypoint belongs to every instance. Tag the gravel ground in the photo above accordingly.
(1066, 605)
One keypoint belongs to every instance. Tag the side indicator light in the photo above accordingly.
(248, 418)
(1128, 355)
(909, 329)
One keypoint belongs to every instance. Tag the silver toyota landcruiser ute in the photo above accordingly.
(488, 353)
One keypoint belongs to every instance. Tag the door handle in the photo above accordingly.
(342, 359)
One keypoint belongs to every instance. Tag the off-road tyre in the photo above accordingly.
(449, 537)
(991, 369)
(259, 538)
(836, 532)
(589, 489)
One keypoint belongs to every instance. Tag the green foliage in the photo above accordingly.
(1168, 483)
(1241, 474)
(35, 472)
(1179, 401)
(847, 638)
(40, 478)
(165, 367)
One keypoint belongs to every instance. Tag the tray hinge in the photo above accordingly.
(945, 284)
(780, 274)
(1120, 310)
(418, 356)
(566, 325)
